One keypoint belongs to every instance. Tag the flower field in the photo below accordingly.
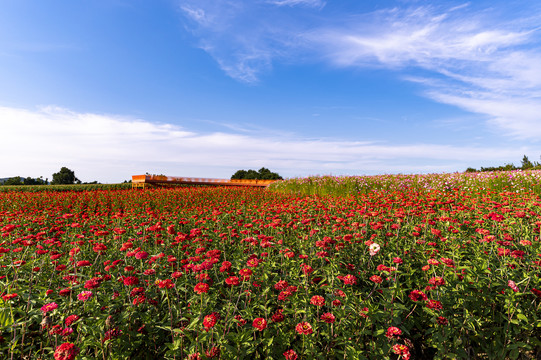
(420, 272)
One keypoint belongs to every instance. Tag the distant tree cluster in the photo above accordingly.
(64, 177)
(526, 164)
(261, 174)
(17, 180)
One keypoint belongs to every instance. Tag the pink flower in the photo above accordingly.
(512, 285)
(49, 307)
(84, 295)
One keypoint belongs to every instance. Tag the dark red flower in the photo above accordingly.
(66, 351)
(290, 354)
(417, 295)
(328, 318)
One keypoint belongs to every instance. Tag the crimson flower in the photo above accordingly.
(317, 300)
(71, 319)
(66, 351)
(393, 332)
(434, 304)
(442, 321)
(290, 354)
(260, 324)
(417, 295)
(232, 281)
(281, 285)
(209, 321)
(278, 316)
(201, 288)
(304, 328)
(402, 350)
(437, 281)
(328, 318)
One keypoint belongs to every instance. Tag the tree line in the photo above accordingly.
(526, 164)
(64, 177)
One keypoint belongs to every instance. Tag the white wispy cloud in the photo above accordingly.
(311, 3)
(111, 148)
(471, 57)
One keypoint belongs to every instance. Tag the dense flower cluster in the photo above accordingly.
(214, 273)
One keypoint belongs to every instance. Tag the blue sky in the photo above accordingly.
(114, 88)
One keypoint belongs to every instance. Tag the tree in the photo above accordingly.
(64, 176)
(261, 174)
(526, 163)
(36, 181)
(14, 181)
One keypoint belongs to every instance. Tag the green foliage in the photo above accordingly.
(526, 164)
(261, 174)
(13, 181)
(64, 176)
(17, 180)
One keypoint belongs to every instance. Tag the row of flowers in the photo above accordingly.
(247, 273)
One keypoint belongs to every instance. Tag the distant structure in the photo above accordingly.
(142, 181)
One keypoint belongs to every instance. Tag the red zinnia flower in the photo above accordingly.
(402, 350)
(9, 296)
(290, 354)
(201, 288)
(246, 273)
(281, 285)
(278, 316)
(328, 318)
(434, 304)
(377, 279)
(260, 324)
(252, 262)
(536, 292)
(349, 279)
(442, 321)
(141, 255)
(66, 351)
(393, 332)
(130, 280)
(232, 281)
(417, 295)
(83, 263)
(304, 328)
(166, 284)
(437, 281)
(209, 321)
(71, 319)
(317, 300)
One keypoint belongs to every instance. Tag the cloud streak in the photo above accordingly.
(111, 148)
(469, 57)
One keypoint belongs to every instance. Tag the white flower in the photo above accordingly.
(374, 249)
